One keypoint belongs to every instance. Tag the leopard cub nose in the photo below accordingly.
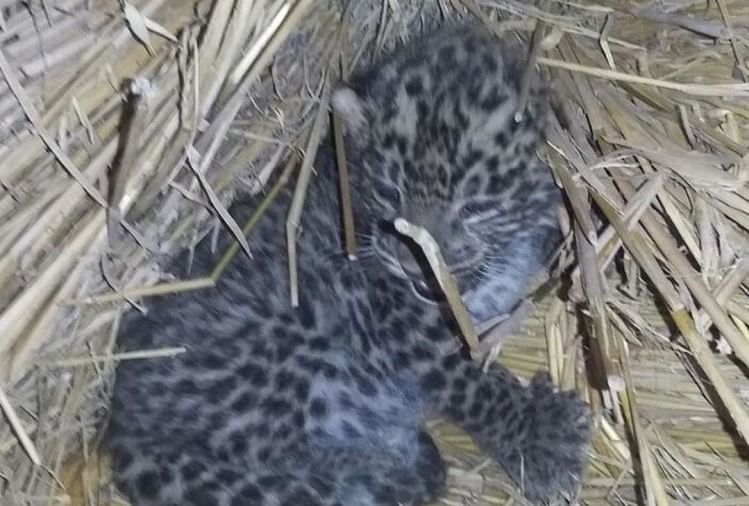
(408, 261)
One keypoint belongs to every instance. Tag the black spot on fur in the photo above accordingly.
(457, 400)
(329, 371)
(319, 344)
(273, 482)
(310, 364)
(263, 456)
(274, 407)
(322, 487)
(450, 362)
(402, 143)
(422, 353)
(402, 360)
(238, 442)
(123, 458)
(222, 389)
(414, 86)
(244, 403)
(228, 475)
(255, 374)
(301, 390)
(148, 484)
(284, 432)
(459, 384)
(447, 55)
(489, 62)
(422, 111)
(283, 380)
(349, 430)
(166, 475)
(298, 419)
(301, 496)
(388, 141)
(476, 409)
(484, 392)
(501, 139)
(472, 185)
(318, 408)
(433, 380)
(206, 494)
(306, 314)
(212, 361)
(365, 386)
(249, 493)
(191, 470)
(472, 157)
(492, 164)
(186, 387)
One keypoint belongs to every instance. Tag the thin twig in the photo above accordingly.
(345, 189)
(114, 357)
(33, 115)
(703, 90)
(200, 283)
(300, 192)
(15, 423)
(530, 66)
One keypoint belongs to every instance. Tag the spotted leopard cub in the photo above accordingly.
(325, 404)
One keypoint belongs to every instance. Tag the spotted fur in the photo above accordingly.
(325, 404)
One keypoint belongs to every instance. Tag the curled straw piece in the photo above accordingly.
(445, 279)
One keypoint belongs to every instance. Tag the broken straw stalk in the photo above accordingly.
(445, 280)
(494, 330)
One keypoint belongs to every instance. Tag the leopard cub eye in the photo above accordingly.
(387, 193)
(476, 211)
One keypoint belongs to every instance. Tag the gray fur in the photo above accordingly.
(326, 404)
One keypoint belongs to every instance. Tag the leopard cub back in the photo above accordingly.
(326, 404)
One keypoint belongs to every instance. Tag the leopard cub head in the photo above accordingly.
(435, 140)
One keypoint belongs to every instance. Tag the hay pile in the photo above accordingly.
(189, 100)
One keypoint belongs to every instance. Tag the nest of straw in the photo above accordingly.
(127, 127)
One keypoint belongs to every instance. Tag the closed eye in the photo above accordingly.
(387, 194)
(480, 210)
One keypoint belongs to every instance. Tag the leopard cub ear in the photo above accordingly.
(348, 106)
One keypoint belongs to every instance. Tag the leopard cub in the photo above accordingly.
(326, 403)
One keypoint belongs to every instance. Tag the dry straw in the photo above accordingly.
(649, 322)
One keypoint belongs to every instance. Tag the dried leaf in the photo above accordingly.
(193, 158)
(156, 28)
(138, 24)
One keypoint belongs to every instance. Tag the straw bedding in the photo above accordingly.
(167, 108)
